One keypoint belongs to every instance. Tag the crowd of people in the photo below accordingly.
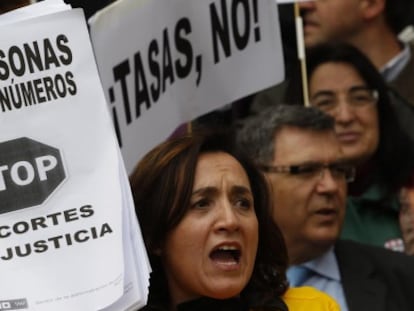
(339, 174)
(206, 221)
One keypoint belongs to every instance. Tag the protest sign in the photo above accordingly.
(67, 240)
(166, 62)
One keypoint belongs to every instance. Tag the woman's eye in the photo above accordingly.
(244, 203)
(324, 103)
(360, 97)
(203, 203)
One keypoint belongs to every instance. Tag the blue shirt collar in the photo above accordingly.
(325, 265)
(394, 66)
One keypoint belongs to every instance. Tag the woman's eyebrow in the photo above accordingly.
(213, 190)
(240, 190)
(359, 88)
(324, 92)
(205, 191)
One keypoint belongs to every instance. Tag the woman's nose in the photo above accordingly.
(344, 113)
(227, 217)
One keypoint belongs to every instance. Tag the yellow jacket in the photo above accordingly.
(306, 298)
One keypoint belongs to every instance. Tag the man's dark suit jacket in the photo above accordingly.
(375, 279)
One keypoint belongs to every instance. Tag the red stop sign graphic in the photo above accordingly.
(29, 172)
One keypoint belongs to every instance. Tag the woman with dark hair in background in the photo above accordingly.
(345, 84)
(206, 221)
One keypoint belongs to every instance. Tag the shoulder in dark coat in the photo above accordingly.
(374, 278)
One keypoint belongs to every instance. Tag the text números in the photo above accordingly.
(17, 63)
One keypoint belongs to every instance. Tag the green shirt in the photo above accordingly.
(369, 221)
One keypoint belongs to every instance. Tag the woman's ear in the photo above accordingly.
(371, 9)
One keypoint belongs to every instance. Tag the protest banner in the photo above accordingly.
(69, 239)
(166, 62)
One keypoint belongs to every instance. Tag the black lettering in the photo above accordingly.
(70, 215)
(38, 222)
(167, 66)
(21, 227)
(4, 68)
(9, 254)
(50, 56)
(37, 83)
(49, 88)
(86, 211)
(256, 20)
(106, 228)
(199, 69)
(33, 56)
(141, 90)
(66, 58)
(17, 65)
(40, 246)
(16, 97)
(120, 72)
(23, 253)
(68, 239)
(94, 233)
(220, 31)
(78, 237)
(183, 46)
(60, 85)
(72, 88)
(55, 241)
(5, 100)
(28, 93)
(241, 38)
(6, 230)
(155, 70)
(54, 218)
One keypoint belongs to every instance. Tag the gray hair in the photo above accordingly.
(256, 134)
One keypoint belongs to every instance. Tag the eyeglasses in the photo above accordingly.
(356, 97)
(339, 171)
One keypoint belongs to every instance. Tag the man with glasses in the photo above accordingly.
(299, 153)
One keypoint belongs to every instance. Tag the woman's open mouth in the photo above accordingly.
(226, 257)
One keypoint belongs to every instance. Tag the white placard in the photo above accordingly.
(66, 241)
(165, 62)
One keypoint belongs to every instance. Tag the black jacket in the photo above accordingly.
(158, 300)
(374, 278)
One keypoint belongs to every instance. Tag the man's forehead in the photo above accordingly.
(296, 144)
